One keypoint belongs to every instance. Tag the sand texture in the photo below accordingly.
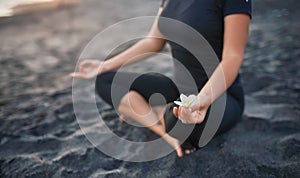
(39, 134)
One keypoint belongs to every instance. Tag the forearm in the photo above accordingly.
(146, 47)
(235, 38)
(222, 78)
(236, 28)
(141, 50)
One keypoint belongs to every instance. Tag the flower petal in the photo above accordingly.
(178, 103)
(183, 97)
(192, 99)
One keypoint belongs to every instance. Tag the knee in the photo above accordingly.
(103, 86)
(125, 100)
(103, 83)
(104, 78)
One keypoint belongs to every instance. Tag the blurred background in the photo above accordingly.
(40, 43)
(15, 7)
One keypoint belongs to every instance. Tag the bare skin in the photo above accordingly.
(158, 110)
(136, 110)
(133, 105)
(235, 38)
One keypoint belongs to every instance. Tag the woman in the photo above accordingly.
(224, 24)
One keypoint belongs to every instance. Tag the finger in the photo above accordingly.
(202, 117)
(195, 107)
(184, 114)
(72, 74)
(175, 111)
(189, 116)
(199, 120)
(77, 75)
(197, 117)
(185, 111)
(85, 63)
(179, 114)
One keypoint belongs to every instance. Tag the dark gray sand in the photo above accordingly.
(39, 134)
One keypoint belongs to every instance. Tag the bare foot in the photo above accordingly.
(188, 147)
(174, 143)
(189, 151)
(160, 110)
(121, 119)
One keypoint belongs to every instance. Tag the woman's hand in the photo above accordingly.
(194, 114)
(89, 69)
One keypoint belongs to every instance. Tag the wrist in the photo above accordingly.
(104, 67)
(205, 98)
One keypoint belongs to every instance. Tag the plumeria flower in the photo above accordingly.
(186, 101)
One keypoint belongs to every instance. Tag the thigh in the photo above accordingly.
(112, 86)
(156, 88)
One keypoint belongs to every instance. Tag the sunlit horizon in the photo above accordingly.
(10, 7)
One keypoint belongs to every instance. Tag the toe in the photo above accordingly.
(187, 151)
(121, 119)
(193, 150)
(179, 152)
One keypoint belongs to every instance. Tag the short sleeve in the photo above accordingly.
(237, 7)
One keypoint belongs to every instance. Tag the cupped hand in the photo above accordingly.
(194, 114)
(88, 69)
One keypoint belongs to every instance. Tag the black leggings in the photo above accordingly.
(112, 86)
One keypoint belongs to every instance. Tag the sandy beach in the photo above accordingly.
(39, 133)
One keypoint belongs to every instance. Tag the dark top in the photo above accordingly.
(207, 17)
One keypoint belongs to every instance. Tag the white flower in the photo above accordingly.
(186, 101)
